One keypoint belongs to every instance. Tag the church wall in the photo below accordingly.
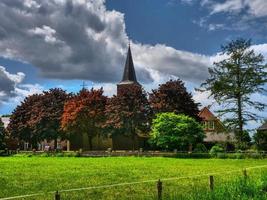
(122, 142)
(81, 141)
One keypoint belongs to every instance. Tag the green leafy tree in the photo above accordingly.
(173, 97)
(171, 131)
(232, 82)
(2, 134)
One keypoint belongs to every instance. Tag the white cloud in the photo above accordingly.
(83, 40)
(228, 6)
(255, 8)
(47, 32)
(11, 87)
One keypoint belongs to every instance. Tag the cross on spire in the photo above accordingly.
(84, 85)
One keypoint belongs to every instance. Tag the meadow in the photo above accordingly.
(45, 175)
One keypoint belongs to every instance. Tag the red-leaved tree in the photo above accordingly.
(84, 113)
(129, 112)
(173, 97)
(21, 119)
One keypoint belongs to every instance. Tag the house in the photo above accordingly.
(263, 127)
(5, 120)
(213, 127)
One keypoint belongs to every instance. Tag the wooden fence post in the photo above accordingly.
(159, 186)
(57, 196)
(245, 173)
(211, 183)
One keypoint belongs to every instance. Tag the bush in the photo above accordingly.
(200, 148)
(216, 149)
(193, 155)
(171, 131)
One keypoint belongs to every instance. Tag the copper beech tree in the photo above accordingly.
(20, 125)
(129, 112)
(173, 97)
(47, 122)
(84, 113)
(38, 117)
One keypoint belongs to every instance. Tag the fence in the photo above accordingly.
(159, 184)
(176, 154)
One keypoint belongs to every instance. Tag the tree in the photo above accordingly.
(232, 82)
(2, 134)
(39, 117)
(260, 137)
(84, 113)
(47, 123)
(20, 121)
(173, 97)
(171, 131)
(129, 112)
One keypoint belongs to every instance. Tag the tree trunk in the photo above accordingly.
(240, 118)
(239, 103)
(133, 136)
(90, 143)
(133, 142)
(55, 144)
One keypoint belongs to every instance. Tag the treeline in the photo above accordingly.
(55, 114)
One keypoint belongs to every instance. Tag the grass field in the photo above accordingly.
(19, 176)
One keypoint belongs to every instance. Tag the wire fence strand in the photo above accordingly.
(132, 183)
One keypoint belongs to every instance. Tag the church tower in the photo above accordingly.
(129, 77)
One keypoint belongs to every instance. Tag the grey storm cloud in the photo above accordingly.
(81, 39)
(8, 83)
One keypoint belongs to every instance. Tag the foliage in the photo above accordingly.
(47, 124)
(200, 148)
(2, 134)
(38, 117)
(20, 121)
(173, 97)
(216, 149)
(129, 112)
(245, 142)
(84, 113)
(260, 139)
(171, 131)
(232, 82)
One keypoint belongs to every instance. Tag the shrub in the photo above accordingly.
(171, 131)
(200, 148)
(216, 149)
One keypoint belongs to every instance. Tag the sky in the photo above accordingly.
(61, 43)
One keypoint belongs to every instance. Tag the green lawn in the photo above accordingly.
(23, 175)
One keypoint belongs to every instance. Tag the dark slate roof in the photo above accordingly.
(129, 72)
(263, 127)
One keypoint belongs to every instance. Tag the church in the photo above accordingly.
(116, 141)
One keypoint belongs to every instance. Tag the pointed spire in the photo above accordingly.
(129, 72)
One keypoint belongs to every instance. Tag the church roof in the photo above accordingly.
(129, 72)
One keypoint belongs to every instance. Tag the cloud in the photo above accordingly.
(171, 62)
(255, 8)
(81, 39)
(12, 89)
(8, 83)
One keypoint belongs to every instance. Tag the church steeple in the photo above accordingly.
(129, 72)
(129, 77)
